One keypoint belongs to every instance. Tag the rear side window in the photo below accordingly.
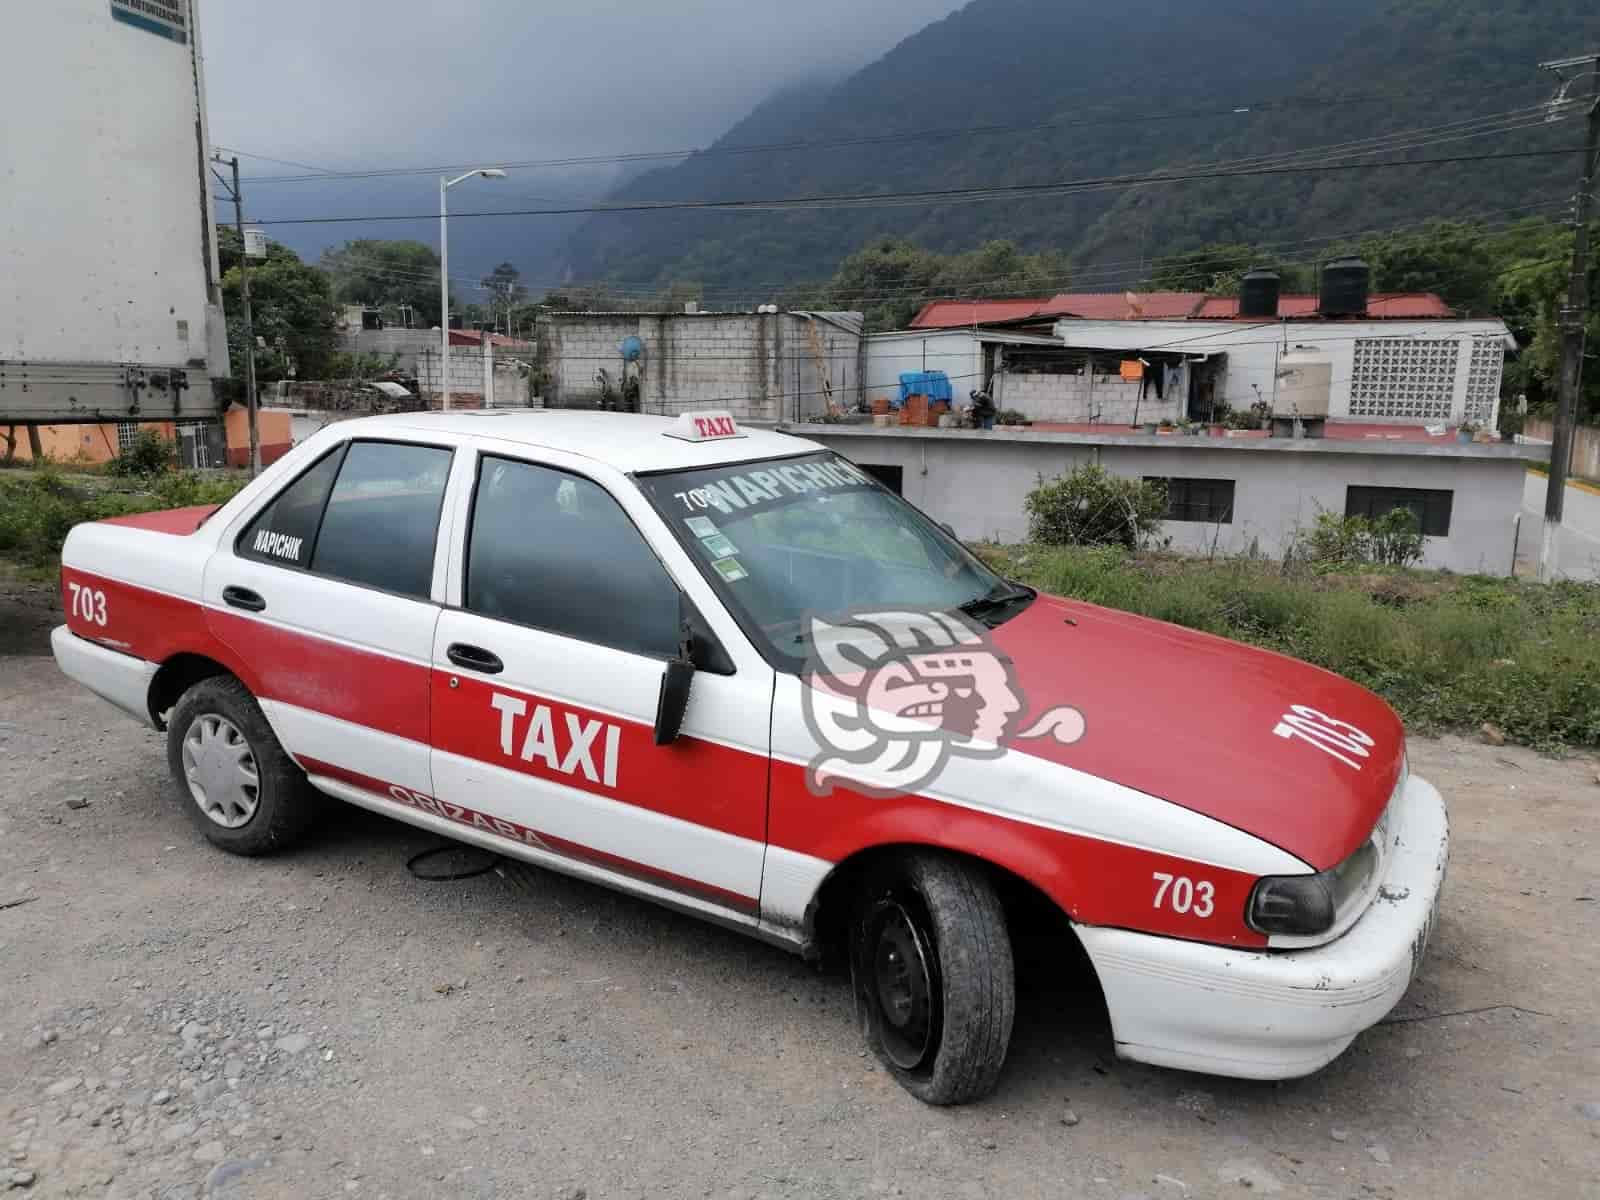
(286, 530)
(368, 513)
(556, 552)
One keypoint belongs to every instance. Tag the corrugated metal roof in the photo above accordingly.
(1380, 306)
(948, 314)
(1126, 306)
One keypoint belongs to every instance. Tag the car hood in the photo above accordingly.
(1191, 718)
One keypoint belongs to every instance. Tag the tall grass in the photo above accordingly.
(1446, 651)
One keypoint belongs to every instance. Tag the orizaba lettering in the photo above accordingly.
(279, 545)
(570, 748)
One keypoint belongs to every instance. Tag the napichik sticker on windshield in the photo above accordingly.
(891, 697)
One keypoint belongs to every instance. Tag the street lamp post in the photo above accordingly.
(444, 276)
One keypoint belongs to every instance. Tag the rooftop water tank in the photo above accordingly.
(1344, 287)
(1258, 293)
(1305, 381)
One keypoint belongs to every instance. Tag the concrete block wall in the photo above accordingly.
(1068, 398)
(760, 367)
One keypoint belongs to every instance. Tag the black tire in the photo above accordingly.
(284, 803)
(931, 923)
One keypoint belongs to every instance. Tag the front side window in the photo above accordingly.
(555, 551)
(366, 513)
(815, 534)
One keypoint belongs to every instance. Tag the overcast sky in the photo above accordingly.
(362, 83)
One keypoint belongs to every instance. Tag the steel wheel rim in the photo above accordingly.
(220, 769)
(904, 987)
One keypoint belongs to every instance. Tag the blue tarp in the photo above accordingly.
(935, 385)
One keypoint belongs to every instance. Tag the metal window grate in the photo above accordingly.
(169, 18)
(1208, 500)
(127, 435)
(1403, 378)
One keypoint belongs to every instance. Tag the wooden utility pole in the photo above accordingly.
(1574, 317)
(251, 403)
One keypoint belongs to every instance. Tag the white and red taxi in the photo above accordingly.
(582, 639)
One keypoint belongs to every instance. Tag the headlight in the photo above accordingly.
(1306, 905)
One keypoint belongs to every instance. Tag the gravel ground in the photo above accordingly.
(179, 1023)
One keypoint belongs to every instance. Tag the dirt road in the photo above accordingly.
(178, 1023)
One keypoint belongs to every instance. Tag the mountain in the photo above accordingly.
(1084, 89)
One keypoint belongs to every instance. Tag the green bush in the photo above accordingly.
(1092, 507)
(1394, 540)
(150, 454)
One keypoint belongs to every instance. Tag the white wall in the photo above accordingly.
(977, 483)
(1252, 350)
(956, 352)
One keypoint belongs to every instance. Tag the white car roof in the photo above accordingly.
(626, 441)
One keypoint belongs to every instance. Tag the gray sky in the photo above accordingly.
(376, 83)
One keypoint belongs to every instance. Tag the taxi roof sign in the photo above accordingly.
(709, 426)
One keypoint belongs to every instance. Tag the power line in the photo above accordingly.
(1239, 108)
(930, 197)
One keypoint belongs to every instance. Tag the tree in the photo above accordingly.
(292, 306)
(504, 285)
(386, 274)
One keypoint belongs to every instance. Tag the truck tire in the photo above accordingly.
(932, 968)
(237, 784)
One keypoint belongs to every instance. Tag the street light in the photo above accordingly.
(444, 276)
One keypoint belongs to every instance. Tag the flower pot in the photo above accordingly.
(1464, 436)
(1150, 427)
(1216, 431)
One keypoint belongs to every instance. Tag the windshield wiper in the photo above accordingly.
(990, 608)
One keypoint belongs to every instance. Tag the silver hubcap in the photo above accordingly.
(221, 770)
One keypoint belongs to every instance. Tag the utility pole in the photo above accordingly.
(1574, 315)
(251, 402)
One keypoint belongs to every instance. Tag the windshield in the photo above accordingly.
(815, 534)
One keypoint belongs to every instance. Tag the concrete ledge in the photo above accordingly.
(1501, 450)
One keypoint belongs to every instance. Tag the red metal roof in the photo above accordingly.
(952, 314)
(474, 337)
(1157, 306)
(1126, 306)
(1381, 306)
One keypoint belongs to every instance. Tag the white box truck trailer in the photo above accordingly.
(110, 297)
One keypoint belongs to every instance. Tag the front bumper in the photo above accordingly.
(119, 678)
(1279, 1014)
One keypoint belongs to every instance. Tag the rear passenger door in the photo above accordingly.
(327, 594)
(547, 668)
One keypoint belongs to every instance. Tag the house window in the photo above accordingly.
(1208, 500)
(1431, 506)
(892, 478)
(127, 435)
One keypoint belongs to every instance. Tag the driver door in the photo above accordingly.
(546, 670)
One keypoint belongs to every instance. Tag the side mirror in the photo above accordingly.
(673, 700)
(949, 528)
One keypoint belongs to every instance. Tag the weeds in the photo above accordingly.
(1448, 652)
(39, 507)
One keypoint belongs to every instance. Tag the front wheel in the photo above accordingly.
(237, 783)
(932, 967)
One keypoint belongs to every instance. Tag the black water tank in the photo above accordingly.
(1344, 288)
(1258, 293)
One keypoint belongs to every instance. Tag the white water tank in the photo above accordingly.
(1305, 381)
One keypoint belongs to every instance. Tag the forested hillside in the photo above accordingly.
(1075, 89)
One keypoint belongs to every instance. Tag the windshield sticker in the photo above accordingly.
(731, 569)
(891, 697)
(701, 527)
(719, 546)
(750, 490)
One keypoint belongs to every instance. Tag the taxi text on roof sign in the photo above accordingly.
(705, 427)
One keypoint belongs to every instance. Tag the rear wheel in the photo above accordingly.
(239, 786)
(931, 961)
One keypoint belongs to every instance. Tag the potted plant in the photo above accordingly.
(1466, 431)
(1165, 427)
